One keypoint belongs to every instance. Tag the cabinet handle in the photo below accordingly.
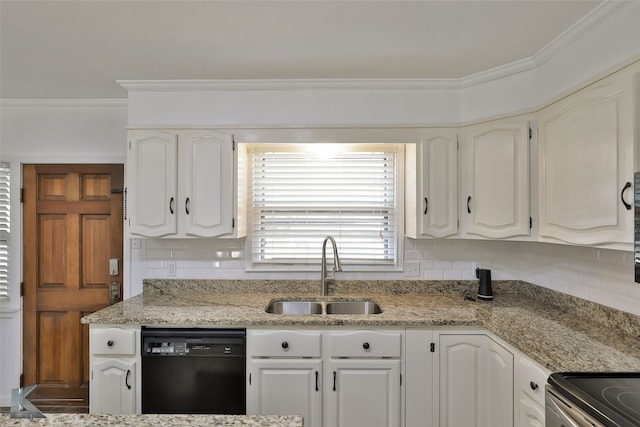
(186, 206)
(426, 205)
(110, 343)
(171, 203)
(624, 202)
(285, 345)
(317, 381)
(469, 204)
(126, 380)
(533, 386)
(366, 346)
(334, 380)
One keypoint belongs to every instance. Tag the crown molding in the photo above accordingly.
(288, 84)
(586, 24)
(115, 102)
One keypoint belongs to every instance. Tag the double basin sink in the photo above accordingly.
(324, 306)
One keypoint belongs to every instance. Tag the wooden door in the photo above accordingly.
(72, 226)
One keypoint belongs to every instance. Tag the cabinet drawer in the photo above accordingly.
(532, 379)
(113, 341)
(283, 343)
(365, 344)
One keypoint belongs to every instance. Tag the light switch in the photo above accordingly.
(113, 266)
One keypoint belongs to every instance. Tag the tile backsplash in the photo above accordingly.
(600, 275)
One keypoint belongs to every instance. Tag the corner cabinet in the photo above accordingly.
(495, 198)
(332, 378)
(181, 184)
(586, 154)
(476, 381)
(432, 185)
(458, 378)
(115, 370)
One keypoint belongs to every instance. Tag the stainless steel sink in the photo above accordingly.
(325, 306)
(352, 307)
(295, 307)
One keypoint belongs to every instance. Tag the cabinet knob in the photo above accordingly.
(285, 344)
(110, 343)
(366, 346)
(533, 385)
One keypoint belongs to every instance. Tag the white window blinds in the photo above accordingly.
(301, 195)
(4, 230)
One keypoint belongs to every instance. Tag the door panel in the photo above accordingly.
(72, 227)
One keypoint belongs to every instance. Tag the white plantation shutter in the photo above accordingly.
(300, 197)
(4, 230)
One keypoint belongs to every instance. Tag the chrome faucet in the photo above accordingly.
(336, 265)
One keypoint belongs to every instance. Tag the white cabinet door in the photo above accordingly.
(586, 165)
(476, 382)
(206, 183)
(152, 190)
(113, 386)
(362, 392)
(285, 387)
(432, 185)
(495, 179)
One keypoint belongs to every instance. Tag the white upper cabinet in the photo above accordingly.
(432, 185)
(180, 184)
(206, 183)
(586, 151)
(152, 183)
(495, 179)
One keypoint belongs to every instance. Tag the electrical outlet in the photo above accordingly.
(412, 269)
(172, 268)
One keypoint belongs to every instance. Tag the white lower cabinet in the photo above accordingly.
(286, 387)
(331, 377)
(115, 370)
(458, 378)
(475, 381)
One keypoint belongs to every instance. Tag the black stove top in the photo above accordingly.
(612, 398)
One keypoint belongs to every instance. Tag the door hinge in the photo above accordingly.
(21, 380)
(21, 195)
(433, 347)
(233, 142)
(233, 223)
(530, 133)
(21, 289)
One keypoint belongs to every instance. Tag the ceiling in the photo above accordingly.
(78, 49)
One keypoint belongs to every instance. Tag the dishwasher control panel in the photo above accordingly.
(181, 346)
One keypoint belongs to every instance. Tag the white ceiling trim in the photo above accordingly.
(553, 48)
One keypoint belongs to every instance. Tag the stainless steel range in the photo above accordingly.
(587, 399)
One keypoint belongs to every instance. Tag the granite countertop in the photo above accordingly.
(149, 420)
(560, 332)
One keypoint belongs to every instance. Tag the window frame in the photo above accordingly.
(292, 141)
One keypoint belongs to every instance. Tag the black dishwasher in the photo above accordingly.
(193, 371)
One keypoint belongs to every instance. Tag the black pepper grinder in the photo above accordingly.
(484, 290)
